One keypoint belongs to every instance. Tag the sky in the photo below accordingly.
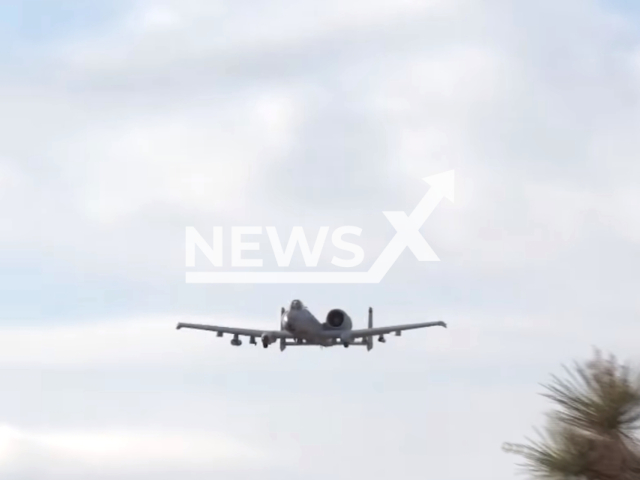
(307, 114)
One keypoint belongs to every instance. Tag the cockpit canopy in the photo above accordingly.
(297, 305)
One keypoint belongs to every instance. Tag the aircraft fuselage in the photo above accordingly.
(302, 324)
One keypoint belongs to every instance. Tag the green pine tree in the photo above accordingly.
(592, 433)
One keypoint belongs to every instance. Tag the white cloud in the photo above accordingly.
(17, 189)
(159, 33)
(440, 85)
(156, 18)
(117, 450)
(136, 163)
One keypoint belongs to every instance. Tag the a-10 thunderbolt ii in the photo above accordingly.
(298, 327)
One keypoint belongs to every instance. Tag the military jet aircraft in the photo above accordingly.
(298, 327)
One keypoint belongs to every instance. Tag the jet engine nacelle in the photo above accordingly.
(338, 320)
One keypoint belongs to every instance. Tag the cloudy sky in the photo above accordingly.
(123, 122)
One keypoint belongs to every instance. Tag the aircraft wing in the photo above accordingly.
(236, 331)
(370, 332)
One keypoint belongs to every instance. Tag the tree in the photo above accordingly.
(591, 434)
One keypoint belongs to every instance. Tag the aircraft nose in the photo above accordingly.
(289, 324)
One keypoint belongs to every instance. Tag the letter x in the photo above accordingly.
(408, 234)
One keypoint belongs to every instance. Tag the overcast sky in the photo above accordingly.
(307, 114)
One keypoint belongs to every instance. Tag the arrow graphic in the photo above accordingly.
(407, 235)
